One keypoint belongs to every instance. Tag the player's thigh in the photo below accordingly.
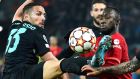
(51, 69)
(35, 71)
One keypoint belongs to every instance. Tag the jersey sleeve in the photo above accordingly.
(114, 55)
(41, 44)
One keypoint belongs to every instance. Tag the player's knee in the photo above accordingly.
(51, 69)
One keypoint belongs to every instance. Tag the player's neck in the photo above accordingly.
(113, 32)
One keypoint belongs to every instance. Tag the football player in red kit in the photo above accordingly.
(109, 25)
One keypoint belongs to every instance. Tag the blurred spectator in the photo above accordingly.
(54, 48)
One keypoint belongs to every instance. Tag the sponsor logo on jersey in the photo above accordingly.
(117, 46)
(29, 26)
(116, 43)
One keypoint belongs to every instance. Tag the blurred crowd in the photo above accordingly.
(64, 15)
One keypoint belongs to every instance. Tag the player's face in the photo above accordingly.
(37, 16)
(97, 9)
(106, 23)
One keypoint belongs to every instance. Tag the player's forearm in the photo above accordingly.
(19, 12)
(125, 67)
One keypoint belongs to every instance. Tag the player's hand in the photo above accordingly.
(90, 70)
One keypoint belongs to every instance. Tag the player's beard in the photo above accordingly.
(107, 31)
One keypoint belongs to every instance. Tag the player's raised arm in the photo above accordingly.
(19, 11)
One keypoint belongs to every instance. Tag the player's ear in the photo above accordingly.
(25, 16)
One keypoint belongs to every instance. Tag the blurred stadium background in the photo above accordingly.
(63, 15)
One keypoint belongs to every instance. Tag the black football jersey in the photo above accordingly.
(25, 43)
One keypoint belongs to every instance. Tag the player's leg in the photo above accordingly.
(44, 70)
(73, 65)
(51, 69)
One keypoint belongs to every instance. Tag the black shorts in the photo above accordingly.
(27, 72)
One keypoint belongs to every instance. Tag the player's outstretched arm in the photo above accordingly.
(19, 11)
(122, 68)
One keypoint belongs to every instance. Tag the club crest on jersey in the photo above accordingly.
(116, 41)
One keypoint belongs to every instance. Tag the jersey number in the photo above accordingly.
(13, 39)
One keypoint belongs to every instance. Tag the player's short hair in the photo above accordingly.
(29, 6)
(113, 12)
(98, 1)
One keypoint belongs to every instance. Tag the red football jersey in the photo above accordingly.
(115, 55)
(55, 50)
(89, 54)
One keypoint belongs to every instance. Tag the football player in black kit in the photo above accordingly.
(26, 40)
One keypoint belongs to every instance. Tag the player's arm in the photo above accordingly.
(19, 12)
(130, 66)
(125, 67)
